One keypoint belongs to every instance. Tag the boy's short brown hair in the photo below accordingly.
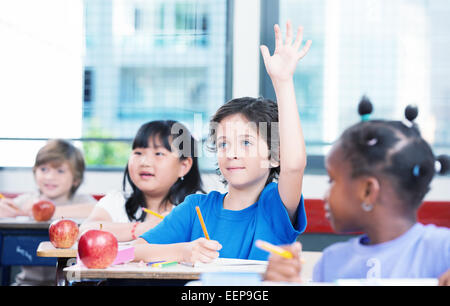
(58, 151)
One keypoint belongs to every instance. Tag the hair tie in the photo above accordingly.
(416, 170)
(365, 108)
(372, 142)
(437, 166)
(442, 164)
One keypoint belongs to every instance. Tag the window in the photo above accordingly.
(88, 92)
(395, 52)
(155, 60)
(98, 70)
(41, 75)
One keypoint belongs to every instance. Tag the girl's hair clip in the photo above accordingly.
(365, 108)
(442, 164)
(411, 112)
(371, 142)
(416, 171)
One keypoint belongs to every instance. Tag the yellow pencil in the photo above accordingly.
(152, 213)
(266, 246)
(202, 222)
(164, 264)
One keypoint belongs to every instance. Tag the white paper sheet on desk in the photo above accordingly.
(388, 282)
(225, 265)
(18, 219)
(28, 219)
(219, 265)
(231, 262)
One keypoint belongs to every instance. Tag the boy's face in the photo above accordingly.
(243, 155)
(342, 205)
(54, 180)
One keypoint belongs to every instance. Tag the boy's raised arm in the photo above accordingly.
(281, 67)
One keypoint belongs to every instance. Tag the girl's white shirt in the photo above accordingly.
(114, 204)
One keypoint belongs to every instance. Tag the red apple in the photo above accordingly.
(43, 210)
(63, 233)
(97, 249)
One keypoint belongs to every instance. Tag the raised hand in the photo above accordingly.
(281, 65)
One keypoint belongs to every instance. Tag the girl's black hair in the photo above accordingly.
(170, 133)
(258, 111)
(395, 149)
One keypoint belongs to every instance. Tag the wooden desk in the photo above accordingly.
(46, 249)
(19, 240)
(140, 271)
(23, 223)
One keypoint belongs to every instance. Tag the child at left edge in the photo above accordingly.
(254, 207)
(58, 172)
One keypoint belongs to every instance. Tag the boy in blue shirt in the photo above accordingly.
(245, 133)
(236, 230)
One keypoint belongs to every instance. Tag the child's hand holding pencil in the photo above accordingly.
(8, 208)
(283, 268)
(202, 250)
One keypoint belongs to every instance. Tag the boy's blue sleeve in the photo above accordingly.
(175, 227)
(278, 215)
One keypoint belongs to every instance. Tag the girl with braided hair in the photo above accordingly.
(379, 173)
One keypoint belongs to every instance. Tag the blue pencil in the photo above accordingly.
(154, 262)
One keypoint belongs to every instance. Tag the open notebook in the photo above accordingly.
(218, 265)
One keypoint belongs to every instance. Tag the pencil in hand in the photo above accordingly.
(200, 217)
(266, 246)
(152, 213)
